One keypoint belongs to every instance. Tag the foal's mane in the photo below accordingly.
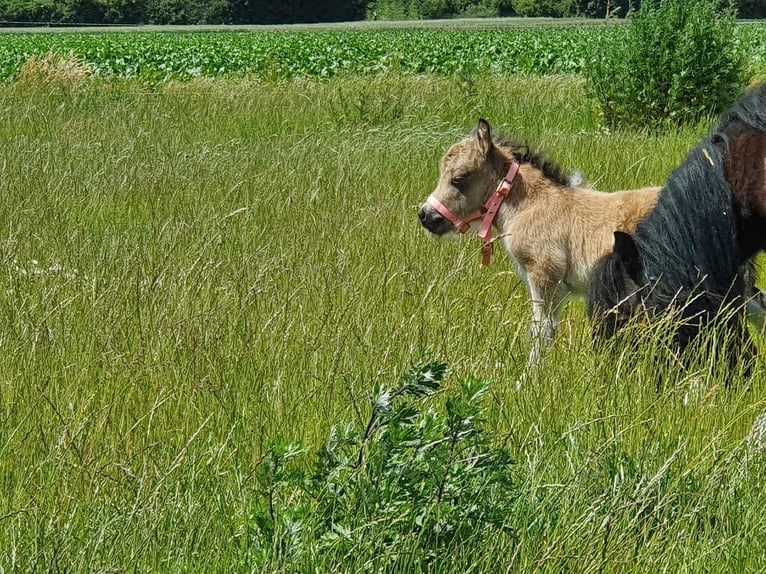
(522, 153)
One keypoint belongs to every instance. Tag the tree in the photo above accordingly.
(125, 11)
(605, 8)
(752, 9)
(678, 62)
(295, 11)
(552, 8)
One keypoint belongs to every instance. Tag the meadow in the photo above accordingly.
(191, 270)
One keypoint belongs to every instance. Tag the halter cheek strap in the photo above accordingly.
(493, 206)
(486, 213)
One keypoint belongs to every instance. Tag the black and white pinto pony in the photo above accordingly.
(686, 257)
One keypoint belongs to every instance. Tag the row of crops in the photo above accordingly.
(184, 55)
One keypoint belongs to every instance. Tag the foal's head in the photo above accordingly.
(471, 170)
(468, 174)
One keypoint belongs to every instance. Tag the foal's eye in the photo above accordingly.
(459, 181)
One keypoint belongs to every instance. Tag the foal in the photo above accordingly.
(554, 232)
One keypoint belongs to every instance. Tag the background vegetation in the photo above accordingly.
(317, 54)
(677, 62)
(470, 51)
(296, 11)
(193, 270)
(229, 347)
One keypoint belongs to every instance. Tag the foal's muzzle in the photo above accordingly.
(433, 221)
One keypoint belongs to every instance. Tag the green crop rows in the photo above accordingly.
(289, 54)
(184, 55)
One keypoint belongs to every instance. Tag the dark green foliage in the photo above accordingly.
(411, 482)
(187, 11)
(555, 8)
(116, 11)
(606, 8)
(126, 11)
(430, 9)
(679, 62)
(180, 11)
(31, 10)
(752, 8)
(589, 8)
(298, 11)
(295, 11)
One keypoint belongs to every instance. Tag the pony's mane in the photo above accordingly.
(689, 239)
(522, 153)
(741, 133)
(696, 213)
(689, 250)
(749, 112)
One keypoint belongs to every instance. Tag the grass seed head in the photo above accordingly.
(55, 70)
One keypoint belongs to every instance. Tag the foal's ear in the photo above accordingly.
(483, 134)
(625, 249)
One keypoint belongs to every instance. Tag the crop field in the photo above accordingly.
(214, 291)
(280, 54)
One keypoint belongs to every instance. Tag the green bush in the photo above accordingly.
(410, 486)
(678, 62)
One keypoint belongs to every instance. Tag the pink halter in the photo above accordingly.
(486, 213)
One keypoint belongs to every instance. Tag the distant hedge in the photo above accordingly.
(14, 12)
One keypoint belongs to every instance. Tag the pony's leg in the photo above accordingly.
(756, 310)
(741, 352)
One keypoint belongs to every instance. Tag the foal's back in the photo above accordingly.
(573, 228)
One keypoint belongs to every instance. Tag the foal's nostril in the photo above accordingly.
(432, 220)
(427, 216)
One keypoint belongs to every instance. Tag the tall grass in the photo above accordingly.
(191, 270)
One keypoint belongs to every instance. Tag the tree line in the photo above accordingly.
(304, 11)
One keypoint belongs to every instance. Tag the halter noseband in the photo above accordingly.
(486, 212)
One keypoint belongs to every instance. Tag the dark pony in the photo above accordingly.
(688, 255)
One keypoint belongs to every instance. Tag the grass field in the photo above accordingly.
(190, 270)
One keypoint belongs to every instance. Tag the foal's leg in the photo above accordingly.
(547, 299)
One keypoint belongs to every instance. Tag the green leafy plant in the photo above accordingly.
(411, 482)
(679, 61)
(520, 46)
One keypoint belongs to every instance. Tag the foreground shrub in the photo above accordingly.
(678, 62)
(409, 486)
